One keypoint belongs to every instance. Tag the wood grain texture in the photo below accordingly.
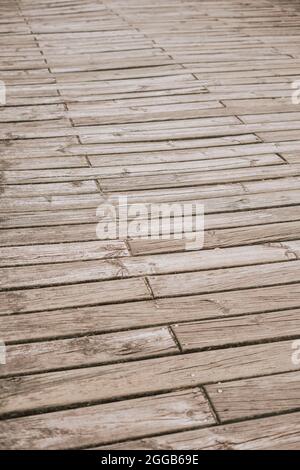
(224, 279)
(112, 263)
(87, 385)
(233, 331)
(114, 317)
(104, 423)
(87, 350)
(253, 397)
(73, 295)
(275, 433)
(121, 341)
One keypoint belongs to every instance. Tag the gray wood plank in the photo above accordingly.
(56, 389)
(275, 433)
(224, 279)
(102, 423)
(113, 317)
(242, 330)
(73, 295)
(87, 351)
(115, 264)
(254, 397)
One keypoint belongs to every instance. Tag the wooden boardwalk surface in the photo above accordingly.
(129, 344)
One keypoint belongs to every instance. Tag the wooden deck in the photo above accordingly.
(129, 344)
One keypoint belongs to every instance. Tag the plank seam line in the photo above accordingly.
(211, 405)
(175, 338)
(149, 287)
(283, 158)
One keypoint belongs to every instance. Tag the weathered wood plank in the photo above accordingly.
(275, 433)
(57, 253)
(253, 397)
(87, 351)
(220, 238)
(194, 178)
(94, 293)
(115, 264)
(140, 171)
(224, 279)
(55, 389)
(33, 148)
(52, 234)
(121, 99)
(53, 189)
(103, 423)
(241, 330)
(291, 128)
(212, 221)
(32, 113)
(42, 163)
(114, 317)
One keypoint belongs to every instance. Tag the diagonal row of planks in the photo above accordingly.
(134, 343)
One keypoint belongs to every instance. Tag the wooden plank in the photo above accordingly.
(242, 330)
(273, 117)
(32, 129)
(212, 205)
(275, 433)
(44, 203)
(58, 253)
(112, 64)
(140, 171)
(42, 163)
(87, 350)
(36, 148)
(53, 189)
(102, 423)
(220, 238)
(182, 167)
(158, 126)
(185, 154)
(213, 221)
(114, 317)
(119, 99)
(142, 72)
(73, 296)
(291, 157)
(290, 130)
(194, 178)
(66, 388)
(32, 113)
(279, 136)
(191, 193)
(254, 397)
(236, 203)
(115, 266)
(183, 111)
(224, 279)
(189, 92)
(51, 234)
(213, 238)
(97, 82)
